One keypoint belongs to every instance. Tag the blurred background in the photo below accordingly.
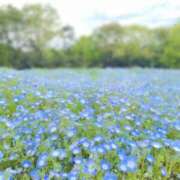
(89, 33)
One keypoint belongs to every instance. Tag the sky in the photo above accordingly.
(85, 15)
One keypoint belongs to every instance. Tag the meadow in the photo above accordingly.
(96, 124)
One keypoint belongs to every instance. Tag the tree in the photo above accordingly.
(29, 30)
(108, 37)
(85, 52)
(171, 56)
(68, 36)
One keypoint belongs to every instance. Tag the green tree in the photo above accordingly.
(85, 52)
(29, 31)
(171, 56)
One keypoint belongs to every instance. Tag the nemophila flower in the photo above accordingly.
(59, 153)
(129, 164)
(112, 130)
(175, 145)
(90, 167)
(105, 165)
(144, 143)
(71, 132)
(100, 149)
(93, 149)
(18, 98)
(135, 133)
(37, 138)
(107, 146)
(78, 160)
(86, 144)
(54, 137)
(163, 171)
(19, 111)
(110, 176)
(2, 102)
(42, 160)
(54, 174)
(55, 153)
(157, 135)
(123, 167)
(113, 145)
(10, 124)
(6, 146)
(74, 145)
(46, 177)
(138, 122)
(132, 144)
(31, 150)
(176, 125)
(72, 177)
(121, 154)
(1, 155)
(64, 175)
(98, 139)
(13, 172)
(150, 158)
(41, 130)
(156, 145)
(26, 164)
(52, 128)
(167, 142)
(2, 176)
(13, 156)
(35, 174)
(76, 150)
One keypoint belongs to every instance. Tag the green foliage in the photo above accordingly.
(171, 56)
(34, 37)
(85, 53)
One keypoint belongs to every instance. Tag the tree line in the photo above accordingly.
(34, 36)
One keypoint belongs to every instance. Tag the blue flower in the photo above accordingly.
(64, 175)
(121, 154)
(100, 149)
(55, 153)
(150, 158)
(98, 138)
(46, 177)
(54, 174)
(175, 145)
(105, 165)
(2, 176)
(1, 155)
(73, 175)
(35, 174)
(113, 145)
(42, 160)
(110, 176)
(86, 144)
(78, 160)
(71, 132)
(26, 164)
(128, 164)
(176, 125)
(163, 171)
(123, 167)
(90, 167)
(156, 145)
(76, 150)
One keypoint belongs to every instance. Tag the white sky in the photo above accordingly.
(85, 15)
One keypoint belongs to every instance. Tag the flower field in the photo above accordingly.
(96, 124)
